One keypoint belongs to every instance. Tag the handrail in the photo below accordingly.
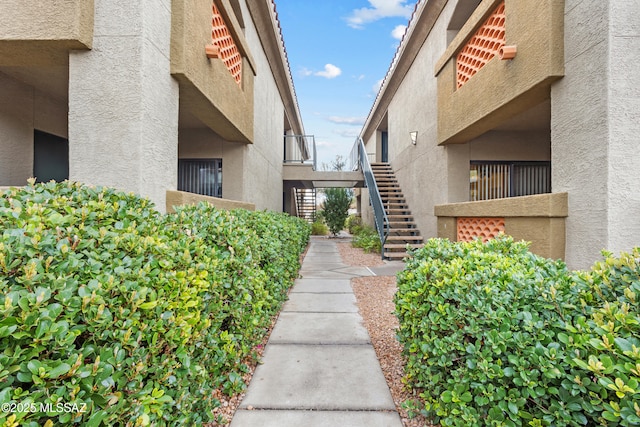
(300, 149)
(380, 215)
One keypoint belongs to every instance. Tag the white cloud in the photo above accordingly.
(330, 72)
(305, 72)
(398, 32)
(325, 144)
(379, 9)
(347, 133)
(356, 121)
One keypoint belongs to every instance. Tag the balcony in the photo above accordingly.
(211, 61)
(37, 34)
(481, 84)
(539, 219)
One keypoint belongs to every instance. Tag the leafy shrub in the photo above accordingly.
(367, 238)
(353, 223)
(134, 316)
(336, 208)
(319, 228)
(495, 335)
(605, 338)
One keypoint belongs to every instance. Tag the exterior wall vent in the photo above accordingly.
(485, 228)
(482, 47)
(228, 51)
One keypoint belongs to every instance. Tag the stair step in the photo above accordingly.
(396, 255)
(398, 211)
(403, 245)
(400, 224)
(400, 217)
(403, 232)
(401, 238)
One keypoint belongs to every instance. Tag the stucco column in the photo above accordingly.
(594, 129)
(123, 102)
(624, 126)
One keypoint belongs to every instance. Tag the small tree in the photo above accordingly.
(336, 208)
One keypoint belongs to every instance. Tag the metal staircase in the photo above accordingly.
(306, 202)
(393, 220)
(402, 227)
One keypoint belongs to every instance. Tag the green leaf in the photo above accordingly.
(59, 370)
(149, 305)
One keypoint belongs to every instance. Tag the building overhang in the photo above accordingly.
(502, 88)
(208, 91)
(303, 176)
(37, 34)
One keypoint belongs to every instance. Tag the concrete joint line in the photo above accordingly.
(321, 312)
(327, 344)
(345, 410)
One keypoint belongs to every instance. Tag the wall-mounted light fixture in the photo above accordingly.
(414, 136)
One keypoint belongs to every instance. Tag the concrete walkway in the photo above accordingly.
(319, 367)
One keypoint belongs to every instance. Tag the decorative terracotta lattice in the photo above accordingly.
(483, 46)
(229, 53)
(487, 228)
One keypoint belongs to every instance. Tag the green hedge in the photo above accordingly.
(495, 335)
(133, 316)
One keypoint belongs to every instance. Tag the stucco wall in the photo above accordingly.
(16, 132)
(262, 178)
(595, 127)
(123, 102)
(23, 109)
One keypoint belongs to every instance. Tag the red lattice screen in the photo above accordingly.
(483, 46)
(487, 228)
(222, 38)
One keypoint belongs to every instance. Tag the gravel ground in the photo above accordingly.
(374, 297)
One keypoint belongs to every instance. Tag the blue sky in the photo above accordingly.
(339, 51)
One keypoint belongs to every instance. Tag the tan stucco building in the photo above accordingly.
(149, 96)
(520, 116)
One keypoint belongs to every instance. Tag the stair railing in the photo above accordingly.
(379, 213)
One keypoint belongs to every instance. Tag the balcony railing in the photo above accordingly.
(300, 149)
(497, 180)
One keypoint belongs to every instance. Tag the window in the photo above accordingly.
(496, 180)
(200, 176)
(50, 157)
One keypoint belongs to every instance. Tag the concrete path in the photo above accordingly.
(319, 368)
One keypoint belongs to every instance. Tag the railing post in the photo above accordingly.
(380, 215)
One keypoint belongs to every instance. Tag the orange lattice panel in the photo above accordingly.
(229, 52)
(487, 228)
(483, 46)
